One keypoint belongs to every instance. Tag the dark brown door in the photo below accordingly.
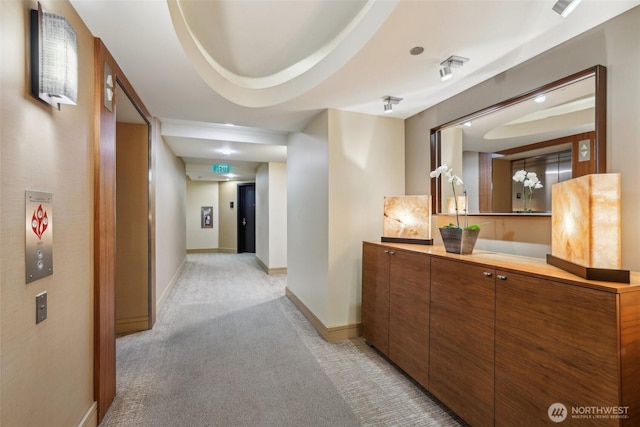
(246, 218)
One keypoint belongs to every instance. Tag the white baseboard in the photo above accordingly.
(90, 418)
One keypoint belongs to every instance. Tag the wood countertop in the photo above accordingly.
(519, 264)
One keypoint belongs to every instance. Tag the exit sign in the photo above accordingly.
(221, 168)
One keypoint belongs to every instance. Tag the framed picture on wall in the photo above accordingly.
(206, 217)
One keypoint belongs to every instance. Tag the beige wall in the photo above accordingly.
(338, 171)
(308, 216)
(271, 215)
(277, 216)
(262, 214)
(169, 180)
(46, 370)
(199, 194)
(612, 44)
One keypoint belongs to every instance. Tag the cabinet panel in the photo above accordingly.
(630, 355)
(409, 313)
(461, 361)
(375, 297)
(555, 343)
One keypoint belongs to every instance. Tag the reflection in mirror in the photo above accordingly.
(556, 131)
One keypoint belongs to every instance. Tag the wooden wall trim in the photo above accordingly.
(104, 242)
(332, 334)
(104, 228)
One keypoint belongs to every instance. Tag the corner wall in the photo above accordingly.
(46, 370)
(338, 171)
(612, 44)
(171, 215)
(271, 217)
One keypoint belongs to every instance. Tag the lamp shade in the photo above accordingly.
(407, 217)
(585, 221)
(459, 207)
(54, 59)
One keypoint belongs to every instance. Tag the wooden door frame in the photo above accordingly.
(104, 356)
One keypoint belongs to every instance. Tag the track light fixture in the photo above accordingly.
(565, 7)
(445, 73)
(452, 61)
(389, 101)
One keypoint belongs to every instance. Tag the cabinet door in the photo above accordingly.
(555, 343)
(375, 296)
(409, 313)
(461, 360)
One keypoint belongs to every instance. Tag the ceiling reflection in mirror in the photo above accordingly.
(555, 132)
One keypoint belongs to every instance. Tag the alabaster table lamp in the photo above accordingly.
(585, 227)
(407, 219)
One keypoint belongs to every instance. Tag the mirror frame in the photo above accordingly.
(600, 144)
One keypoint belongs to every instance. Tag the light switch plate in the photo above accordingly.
(41, 307)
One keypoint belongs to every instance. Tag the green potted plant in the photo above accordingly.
(456, 238)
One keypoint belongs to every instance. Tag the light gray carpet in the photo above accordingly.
(228, 349)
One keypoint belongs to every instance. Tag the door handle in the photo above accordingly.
(244, 221)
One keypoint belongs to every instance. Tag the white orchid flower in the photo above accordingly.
(520, 176)
(453, 180)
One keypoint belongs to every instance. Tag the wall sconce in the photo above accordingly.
(407, 219)
(452, 61)
(54, 59)
(565, 7)
(389, 101)
(585, 228)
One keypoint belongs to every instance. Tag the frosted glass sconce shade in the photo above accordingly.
(54, 59)
(585, 227)
(407, 219)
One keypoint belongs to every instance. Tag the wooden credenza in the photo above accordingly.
(501, 339)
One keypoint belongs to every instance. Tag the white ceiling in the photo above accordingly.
(270, 66)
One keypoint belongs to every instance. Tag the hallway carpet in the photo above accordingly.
(229, 349)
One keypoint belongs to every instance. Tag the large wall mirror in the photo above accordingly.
(557, 131)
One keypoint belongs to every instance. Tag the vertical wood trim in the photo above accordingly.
(600, 145)
(104, 229)
(485, 189)
(104, 247)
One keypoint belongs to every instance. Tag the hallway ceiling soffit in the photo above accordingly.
(270, 66)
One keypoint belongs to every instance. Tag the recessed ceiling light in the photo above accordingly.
(225, 151)
(467, 124)
(540, 99)
(417, 50)
(229, 124)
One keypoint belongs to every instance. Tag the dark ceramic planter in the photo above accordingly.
(458, 240)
